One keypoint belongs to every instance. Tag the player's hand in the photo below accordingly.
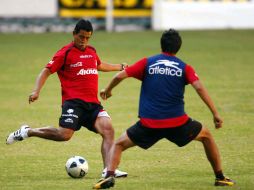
(105, 94)
(124, 66)
(217, 121)
(32, 97)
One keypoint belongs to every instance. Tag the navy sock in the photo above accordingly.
(110, 173)
(219, 175)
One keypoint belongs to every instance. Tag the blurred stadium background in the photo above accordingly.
(125, 15)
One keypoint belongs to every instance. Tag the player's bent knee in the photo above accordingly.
(65, 134)
(124, 142)
(104, 127)
(107, 130)
(66, 137)
(207, 133)
(120, 145)
(204, 134)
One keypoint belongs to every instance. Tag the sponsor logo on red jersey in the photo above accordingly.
(85, 56)
(87, 72)
(78, 64)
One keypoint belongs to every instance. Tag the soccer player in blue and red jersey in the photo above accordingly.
(77, 65)
(161, 108)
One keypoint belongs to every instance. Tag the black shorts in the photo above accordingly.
(145, 137)
(77, 113)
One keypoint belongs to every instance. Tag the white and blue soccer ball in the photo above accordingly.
(76, 167)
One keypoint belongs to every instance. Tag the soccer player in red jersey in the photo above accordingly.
(161, 108)
(77, 65)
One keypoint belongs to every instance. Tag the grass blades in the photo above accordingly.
(224, 61)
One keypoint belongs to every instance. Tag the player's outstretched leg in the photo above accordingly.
(18, 135)
(50, 133)
(212, 153)
(105, 183)
(104, 127)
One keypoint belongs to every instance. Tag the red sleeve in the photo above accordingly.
(57, 62)
(190, 74)
(98, 60)
(137, 70)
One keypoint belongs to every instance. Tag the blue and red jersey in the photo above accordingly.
(77, 72)
(163, 77)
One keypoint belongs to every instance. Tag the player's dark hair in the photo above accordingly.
(171, 41)
(83, 25)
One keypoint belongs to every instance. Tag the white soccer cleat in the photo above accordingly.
(118, 173)
(18, 135)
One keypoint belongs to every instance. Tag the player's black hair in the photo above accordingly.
(171, 41)
(83, 25)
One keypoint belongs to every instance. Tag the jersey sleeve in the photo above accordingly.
(98, 59)
(137, 70)
(190, 74)
(56, 63)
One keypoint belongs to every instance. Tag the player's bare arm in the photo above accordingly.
(202, 92)
(42, 77)
(106, 93)
(106, 67)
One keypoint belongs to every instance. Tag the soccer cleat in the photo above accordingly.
(224, 182)
(18, 135)
(118, 173)
(105, 183)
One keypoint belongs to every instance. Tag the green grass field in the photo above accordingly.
(224, 62)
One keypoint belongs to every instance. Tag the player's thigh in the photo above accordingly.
(103, 126)
(124, 141)
(204, 133)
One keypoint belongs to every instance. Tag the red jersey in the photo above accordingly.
(77, 72)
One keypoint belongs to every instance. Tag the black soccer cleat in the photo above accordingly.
(105, 183)
(224, 182)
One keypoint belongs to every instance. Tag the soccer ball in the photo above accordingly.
(76, 167)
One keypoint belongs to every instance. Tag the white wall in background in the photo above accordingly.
(28, 8)
(202, 15)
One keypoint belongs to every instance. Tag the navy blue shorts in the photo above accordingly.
(145, 137)
(77, 113)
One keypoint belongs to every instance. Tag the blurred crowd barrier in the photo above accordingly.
(61, 15)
